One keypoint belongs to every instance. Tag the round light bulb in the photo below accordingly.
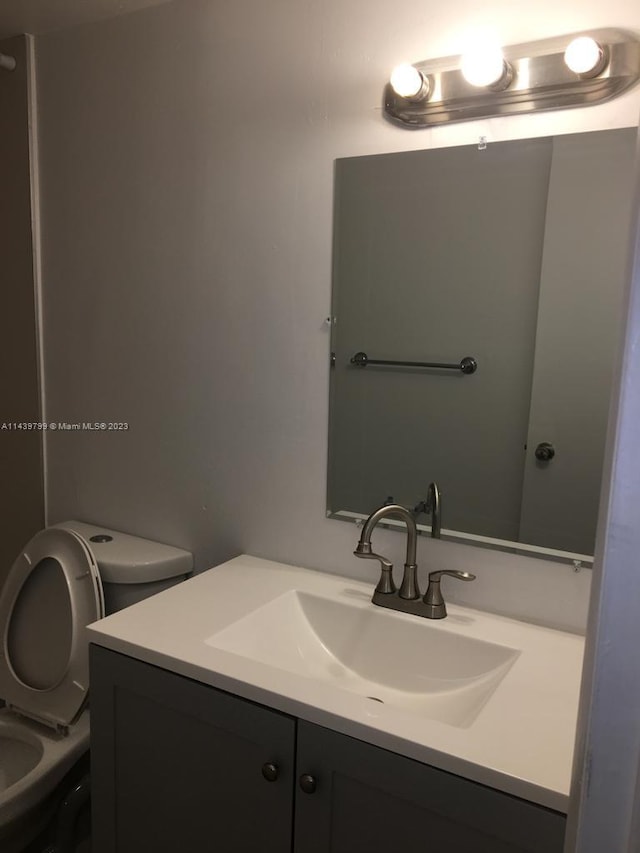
(584, 56)
(407, 81)
(483, 65)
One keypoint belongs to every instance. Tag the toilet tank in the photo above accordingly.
(131, 568)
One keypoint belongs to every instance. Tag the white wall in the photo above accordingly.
(21, 495)
(187, 157)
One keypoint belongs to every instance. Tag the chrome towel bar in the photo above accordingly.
(466, 365)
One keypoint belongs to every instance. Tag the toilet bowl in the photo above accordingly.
(34, 760)
(67, 576)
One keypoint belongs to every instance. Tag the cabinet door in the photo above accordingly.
(177, 766)
(368, 800)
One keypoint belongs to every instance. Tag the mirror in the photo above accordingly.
(513, 254)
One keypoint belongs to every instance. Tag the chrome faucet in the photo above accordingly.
(431, 506)
(407, 598)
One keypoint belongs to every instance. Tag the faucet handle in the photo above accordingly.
(462, 576)
(385, 584)
(433, 596)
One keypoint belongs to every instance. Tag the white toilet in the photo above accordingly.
(68, 576)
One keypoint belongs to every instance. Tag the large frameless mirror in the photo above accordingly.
(512, 255)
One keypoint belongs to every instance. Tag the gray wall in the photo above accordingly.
(187, 160)
(21, 492)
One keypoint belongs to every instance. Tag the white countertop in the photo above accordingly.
(521, 742)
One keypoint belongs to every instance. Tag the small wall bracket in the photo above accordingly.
(8, 63)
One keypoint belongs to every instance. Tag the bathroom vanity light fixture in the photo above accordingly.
(556, 73)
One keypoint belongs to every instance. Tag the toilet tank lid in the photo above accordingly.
(126, 559)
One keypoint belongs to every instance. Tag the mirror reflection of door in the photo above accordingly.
(579, 316)
(510, 255)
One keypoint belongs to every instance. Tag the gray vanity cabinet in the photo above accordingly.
(178, 765)
(369, 800)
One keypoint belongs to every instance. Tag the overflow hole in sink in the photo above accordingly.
(375, 699)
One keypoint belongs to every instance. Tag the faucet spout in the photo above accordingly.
(409, 588)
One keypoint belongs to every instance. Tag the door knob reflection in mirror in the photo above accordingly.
(545, 452)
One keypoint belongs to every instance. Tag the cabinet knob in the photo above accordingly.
(308, 783)
(270, 771)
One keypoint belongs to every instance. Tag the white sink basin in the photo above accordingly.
(404, 661)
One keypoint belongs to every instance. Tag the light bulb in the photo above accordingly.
(408, 82)
(484, 65)
(585, 56)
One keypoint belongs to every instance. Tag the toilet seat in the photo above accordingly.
(52, 593)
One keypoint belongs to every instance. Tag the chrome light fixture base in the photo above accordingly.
(540, 80)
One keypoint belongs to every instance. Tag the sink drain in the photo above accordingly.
(375, 699)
